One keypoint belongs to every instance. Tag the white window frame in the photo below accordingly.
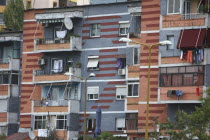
(42, 120)
(65, 122)
(95, 95)
(98, 29)
(93, 124)
(126, 28)
(180, 9)
(132, 89)
(123, 124)
(92, 58)
(121, 96)
(138, 55)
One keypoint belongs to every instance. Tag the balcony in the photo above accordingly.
(9, 64)
(41, 77)
(7, 90)
(184, 20)
(4, 91)
(58, 44)
(71, 106)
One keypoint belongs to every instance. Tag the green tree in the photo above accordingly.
(188, 126)
(13, 15)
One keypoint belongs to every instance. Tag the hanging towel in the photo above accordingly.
(169, 93)
(119, 63)
(189, 56)
(181, 55)
(179, 93)
(184, 55)
(197, 91)
(60, 65)
(56, 66)
(61, 34)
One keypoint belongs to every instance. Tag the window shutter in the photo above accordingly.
(120, 122)
(93, 90)
(121, 91)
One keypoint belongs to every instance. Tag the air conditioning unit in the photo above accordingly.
(121, 71)
(41, 61)
(45, 24)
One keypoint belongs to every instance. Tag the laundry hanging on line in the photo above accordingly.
(192, 56)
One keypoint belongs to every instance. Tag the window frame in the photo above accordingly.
(180, 9)
(98, 29)
(43, 126)
(91, 58)
(93, 124)
(138, 55)
(120, 95)
(183, 71)
(133, 118)
(168, 45)
(132, 83)
(88, 94)
(126, 28)
(64, 122)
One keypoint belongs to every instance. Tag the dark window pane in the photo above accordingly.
(130, 90)
(192, 69)
(199, 79)
(173, 70)
(135, 90)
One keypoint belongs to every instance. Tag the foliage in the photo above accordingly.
(103, 136)
(205, 8)
(188, 126)
(13, 15)
(3, 137)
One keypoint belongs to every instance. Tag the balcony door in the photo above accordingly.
(55, 94)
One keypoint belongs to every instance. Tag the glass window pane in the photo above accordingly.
(170, 6)
(136, 56)
(136, 90)
(192, 69)
(187, 79)
(162, 70)
(177, 80)
(177, 6)
(181, 69)
(130, 90)
(199, 79)
(173, 70)
(170, 38)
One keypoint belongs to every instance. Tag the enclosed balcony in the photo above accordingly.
(7, 90)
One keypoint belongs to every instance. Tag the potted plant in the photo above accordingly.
(78, 65)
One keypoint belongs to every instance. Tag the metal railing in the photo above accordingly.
(39, 72)
(193, 16)
(52, 41)
(39, 103)
(5, 61)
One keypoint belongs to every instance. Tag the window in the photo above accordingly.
(136, 56)
(173, 6)
(40, 122)
(3, 2)
(28, 4)
(133, 89)
(182, 76)
(121, 63)
(95, 30)
(120, 124)
(135, 25)
(57, 65)
(93, 93)
(131, 121)
(123, 29)
(93, 63)
(121, 92)
(4, 78)
(61, 122)
(91, 125)
(171, 46)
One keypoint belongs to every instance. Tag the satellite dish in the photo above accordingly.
(68, 23)
(31, 135)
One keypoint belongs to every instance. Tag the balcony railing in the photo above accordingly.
(38, 103)
(193, 16)
(4, 61)
(10, 64)
(51, 41)
(54, 44)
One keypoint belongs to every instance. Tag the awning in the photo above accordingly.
(190, 39)
(208, 39)
(92, 63)
(55, 17)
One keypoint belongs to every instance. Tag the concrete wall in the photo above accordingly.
(163, 49)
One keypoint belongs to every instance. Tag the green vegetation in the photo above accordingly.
(13, 15)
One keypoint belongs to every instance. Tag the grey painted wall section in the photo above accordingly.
(207, 75)
(105, 1)
(3, 105)
(163, 49)
(163, 10)
(73, 122)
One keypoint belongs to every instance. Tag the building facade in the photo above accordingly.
(80, 40)
(179, 72)
(10, 73)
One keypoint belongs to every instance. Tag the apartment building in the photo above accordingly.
(80, 40)
(10, 51)
(179, 72)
